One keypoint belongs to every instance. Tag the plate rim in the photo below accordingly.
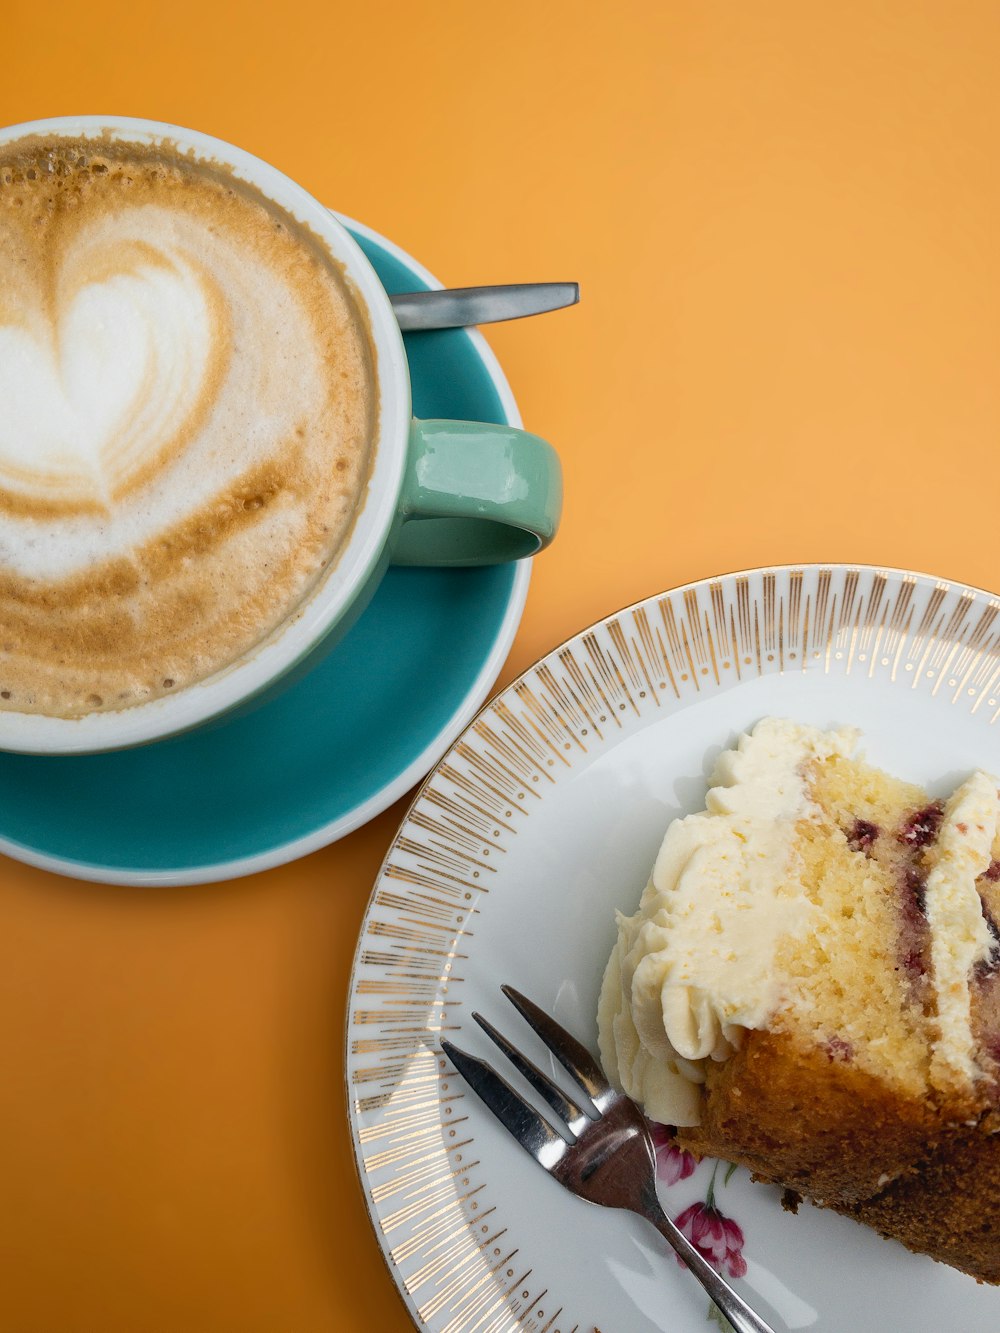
(677, 589)
(467, 709)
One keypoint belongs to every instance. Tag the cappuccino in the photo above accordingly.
(188, 406)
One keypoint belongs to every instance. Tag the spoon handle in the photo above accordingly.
(458, 307)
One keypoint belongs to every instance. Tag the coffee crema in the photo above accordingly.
(188, 412)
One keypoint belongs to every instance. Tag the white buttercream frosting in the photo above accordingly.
(693, 968)
(960, 937)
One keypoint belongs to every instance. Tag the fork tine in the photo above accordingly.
(576, 1119)
(531, 1130)
(571, 1054)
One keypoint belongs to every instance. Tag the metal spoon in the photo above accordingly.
(457, 307)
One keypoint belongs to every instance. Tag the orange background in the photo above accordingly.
(785, 220)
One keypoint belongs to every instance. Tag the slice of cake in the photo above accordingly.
(809, 987)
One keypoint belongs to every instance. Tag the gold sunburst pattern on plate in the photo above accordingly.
(448, 1244)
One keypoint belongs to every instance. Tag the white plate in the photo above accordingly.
(542, 819)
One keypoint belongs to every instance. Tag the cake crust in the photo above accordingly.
(805, 1120)
(949, 1207)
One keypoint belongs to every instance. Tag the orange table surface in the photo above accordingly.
(784, 218)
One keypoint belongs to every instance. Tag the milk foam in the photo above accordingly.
(188, 414)
(132, 343)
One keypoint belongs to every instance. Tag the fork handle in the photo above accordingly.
(734, 1307)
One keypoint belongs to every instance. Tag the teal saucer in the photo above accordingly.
(333, 750)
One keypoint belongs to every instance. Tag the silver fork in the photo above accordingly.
(610, 1158)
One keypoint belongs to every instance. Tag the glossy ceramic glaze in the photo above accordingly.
(509, 866)
(458, 481)
(331, 751)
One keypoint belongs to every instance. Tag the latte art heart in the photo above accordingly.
(100, 387)
(188, 410)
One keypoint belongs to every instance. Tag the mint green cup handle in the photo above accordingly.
(476, 494)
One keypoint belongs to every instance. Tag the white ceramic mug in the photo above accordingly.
(482, 493)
